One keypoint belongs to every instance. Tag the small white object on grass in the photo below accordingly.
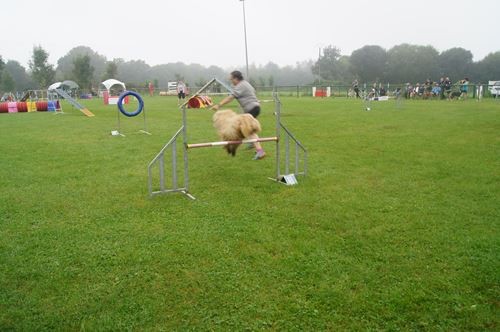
(115, 133)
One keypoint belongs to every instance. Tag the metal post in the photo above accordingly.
(118, 120)
(150, 181)
(162, 172)
(278, 132)
(174, 164)
(287, 154)
(319, 67)
(296, 159)
(184, 148)
(245, 30)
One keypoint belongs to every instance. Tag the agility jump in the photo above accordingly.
(224, 143)
(295, 159)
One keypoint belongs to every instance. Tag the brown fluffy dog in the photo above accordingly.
(231, 126)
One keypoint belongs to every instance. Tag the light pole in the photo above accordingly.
(245, 30)
(319, 66)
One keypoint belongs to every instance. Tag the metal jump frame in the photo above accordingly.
(171, 149)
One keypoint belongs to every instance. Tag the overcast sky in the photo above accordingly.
(211, 32)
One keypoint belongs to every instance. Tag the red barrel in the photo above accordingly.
(195, 102)
(42, 106)
(22, 106)
(4, 108)
(200, 102)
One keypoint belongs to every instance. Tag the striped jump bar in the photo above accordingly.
(224, 143)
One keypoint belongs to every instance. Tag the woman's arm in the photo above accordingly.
(224, 101)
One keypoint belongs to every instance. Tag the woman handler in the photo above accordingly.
(244, 93)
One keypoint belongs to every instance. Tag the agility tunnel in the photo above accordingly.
(200, 102)
(27, 106)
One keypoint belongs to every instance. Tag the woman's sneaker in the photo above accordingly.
(259, 155)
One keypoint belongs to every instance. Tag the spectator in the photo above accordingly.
(181, 91)
(441, 85)
(408, 91)
(447, 87)
(425, 89)
(381, 91)
(464, 88)
(355, 87)
(437, 90)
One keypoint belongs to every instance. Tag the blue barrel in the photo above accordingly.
(51, 106)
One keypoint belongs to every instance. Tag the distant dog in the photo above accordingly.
(231, 126)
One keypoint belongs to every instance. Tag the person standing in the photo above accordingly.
(447, 88)
(464, 88)
(355, 87)
(181, 91)
(151, 89)
(244, 93)
(441, 85)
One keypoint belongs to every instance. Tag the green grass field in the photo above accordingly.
(396, 226)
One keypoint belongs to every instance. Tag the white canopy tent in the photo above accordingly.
(108, 84)
(111, 82)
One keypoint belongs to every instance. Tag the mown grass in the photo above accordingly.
(395, 228)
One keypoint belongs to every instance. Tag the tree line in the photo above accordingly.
(399, 64)
(405, 63)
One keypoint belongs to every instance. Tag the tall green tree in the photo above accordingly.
(19, 75)
(2, 64)
(83, 71)
(43, 73)
(65, 64)
(412, 63)
(8, 84)
(111, 70)
(327, 66)
(456, 63)
(487, 69)
(368, 63)
(344, 70)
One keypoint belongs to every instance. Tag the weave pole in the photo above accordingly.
(224, 143)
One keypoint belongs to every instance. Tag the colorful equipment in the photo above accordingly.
(322, 92)
(169, 181)
(22, 107)
(12, 106)
(121, 99)
(58, 89)
(199, 102)
(42, 106)
(31, 105)
(73, 102)
(140, 109)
